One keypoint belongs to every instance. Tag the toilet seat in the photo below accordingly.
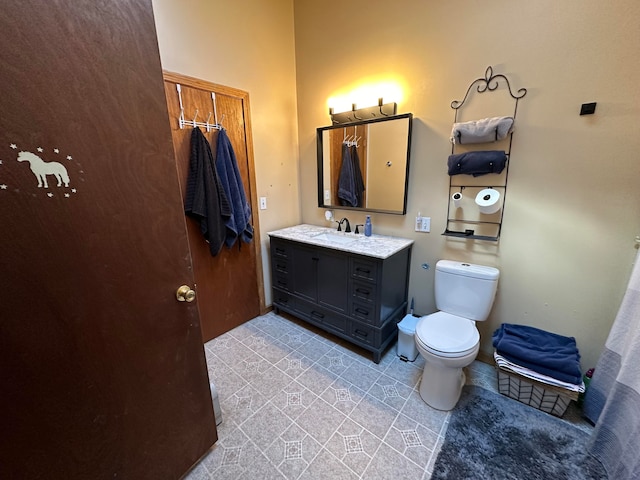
(447, 335)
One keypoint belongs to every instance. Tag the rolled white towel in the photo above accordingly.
(482, 131)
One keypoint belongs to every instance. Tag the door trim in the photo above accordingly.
(253, 197)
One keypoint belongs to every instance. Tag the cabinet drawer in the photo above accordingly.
(370, 335)
(363, 292)
(281, 281)
(363, 269)
(280, 265)
(364, 312)
(364, 333)
(321, 316)
(283, 299)
(336, 322)
(280, 250)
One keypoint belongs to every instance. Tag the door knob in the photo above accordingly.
(185, 294)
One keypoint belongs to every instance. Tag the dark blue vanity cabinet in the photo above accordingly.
(357, 297)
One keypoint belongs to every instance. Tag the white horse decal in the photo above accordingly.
(41, 169)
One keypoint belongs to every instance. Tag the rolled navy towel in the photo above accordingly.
(477, 163)
(481, 131)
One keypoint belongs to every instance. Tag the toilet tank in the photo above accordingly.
(465, 289)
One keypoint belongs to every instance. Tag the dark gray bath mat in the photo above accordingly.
(492, 437)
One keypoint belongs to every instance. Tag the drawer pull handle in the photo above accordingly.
(363, 270)
(362, 311)
(282, 283)
(283, 300)
(281, 268)
(363, 291)
(280, 251)
(317, 314)
(361, 333)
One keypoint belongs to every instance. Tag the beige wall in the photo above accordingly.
(573, 206)
(573, 202)
(246, 44)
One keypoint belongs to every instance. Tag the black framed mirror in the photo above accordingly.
(365, 165)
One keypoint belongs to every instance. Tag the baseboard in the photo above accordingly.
(486, 358)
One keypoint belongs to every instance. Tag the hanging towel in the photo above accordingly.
(358, 181)
(477, 163)
(238, 224)
(544, 352)
(481, 131)
(347, 180)
(205, 199)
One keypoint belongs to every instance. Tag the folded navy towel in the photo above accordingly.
(477, 163)
(544, 352)
(482, 131)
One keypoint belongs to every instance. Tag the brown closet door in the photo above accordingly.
(102, 374)
(229, 285)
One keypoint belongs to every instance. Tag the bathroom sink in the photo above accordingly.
(335, 238)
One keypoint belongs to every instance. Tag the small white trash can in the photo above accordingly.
(217, 411)
(407, 350)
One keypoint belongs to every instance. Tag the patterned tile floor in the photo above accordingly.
(298, 403)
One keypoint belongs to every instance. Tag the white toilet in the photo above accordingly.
(448, 339)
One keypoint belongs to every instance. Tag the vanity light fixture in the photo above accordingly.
(358, 114)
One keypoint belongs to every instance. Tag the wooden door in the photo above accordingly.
(102, 370)
(229, 285)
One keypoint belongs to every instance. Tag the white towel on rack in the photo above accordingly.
(481, 131)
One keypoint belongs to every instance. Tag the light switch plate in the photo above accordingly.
(423, 224)
(263, 203)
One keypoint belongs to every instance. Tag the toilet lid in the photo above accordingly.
(447, 333)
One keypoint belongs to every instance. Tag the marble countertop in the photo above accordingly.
(378, 246)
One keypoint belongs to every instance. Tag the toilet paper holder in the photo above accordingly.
(487, 224)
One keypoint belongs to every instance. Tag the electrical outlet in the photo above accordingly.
(263, 203)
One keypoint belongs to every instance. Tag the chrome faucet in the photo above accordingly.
(347, 229)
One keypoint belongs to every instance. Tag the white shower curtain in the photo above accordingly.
(612, 401)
